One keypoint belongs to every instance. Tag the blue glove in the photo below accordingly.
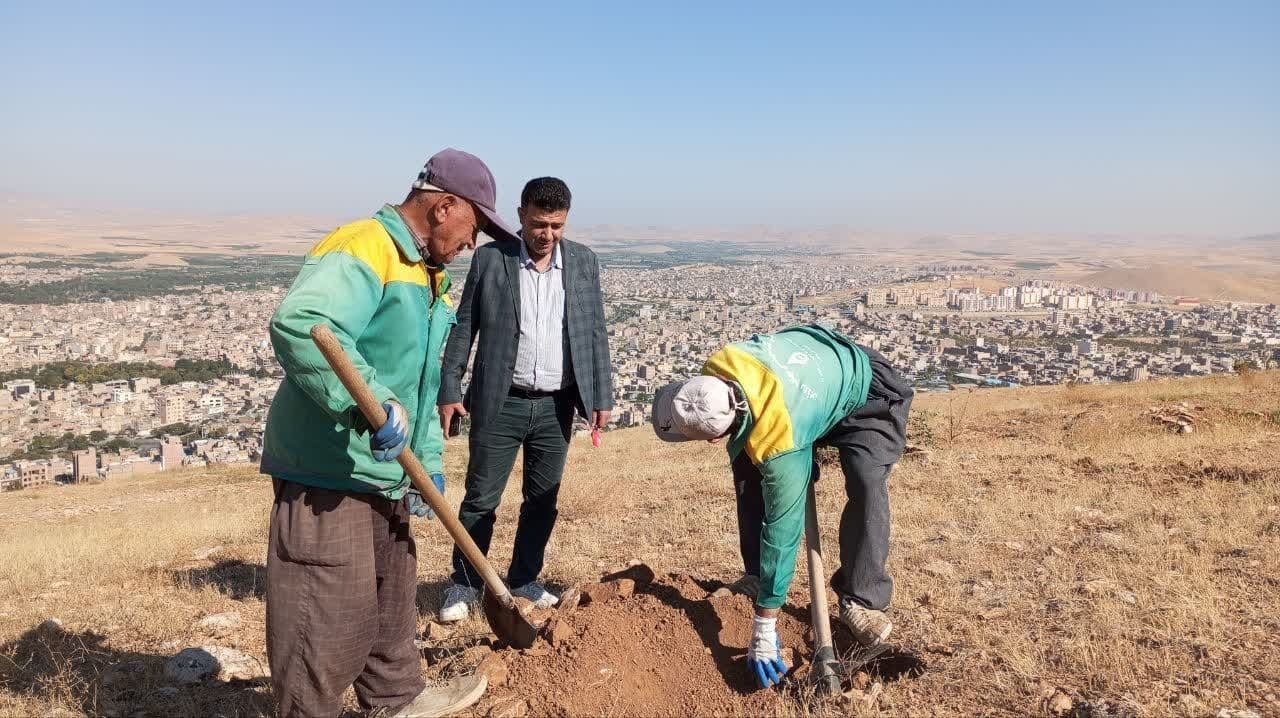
(764, 656)
(417, 506)
(389, 440)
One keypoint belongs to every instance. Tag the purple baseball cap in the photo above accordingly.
(465, 175)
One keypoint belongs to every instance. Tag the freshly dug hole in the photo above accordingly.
(667, 650)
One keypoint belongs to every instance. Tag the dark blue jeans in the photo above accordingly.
(542, 428)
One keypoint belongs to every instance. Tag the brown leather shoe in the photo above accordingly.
(440, 701)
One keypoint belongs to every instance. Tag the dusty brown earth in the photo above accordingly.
(1057, 551)
(674, 645)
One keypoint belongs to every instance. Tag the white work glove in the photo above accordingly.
(764, 656)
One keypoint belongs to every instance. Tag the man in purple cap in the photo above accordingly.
(341, 559)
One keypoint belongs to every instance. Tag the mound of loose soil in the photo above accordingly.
(668, 650)
(638, 644)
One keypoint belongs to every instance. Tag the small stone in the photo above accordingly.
(539, 616)
(638, 572)
(988, 595)
(437, 632)
(494, 669)
(1236, 713)
(234, 665)
(863, 698)
(1128, 597)
(1015, 546)
(941, 649)
(861, 680)
(1057, 702)
(204, 554)
(1111, 540)
(854, 696)
(569, 601)
(1098, 586)
(598, 593)
(1093, 518)
(524, 605)
(1189, 705)
(941, 569)
(219, 624)
(513, 709)
(194, 665)
(560, 632)
(722, 592)
(624, 587)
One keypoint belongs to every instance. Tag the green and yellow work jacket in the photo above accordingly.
(798, 383)
(392, 314)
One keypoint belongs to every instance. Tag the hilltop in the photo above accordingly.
(1051, 544)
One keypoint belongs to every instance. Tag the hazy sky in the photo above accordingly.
(1129, 117)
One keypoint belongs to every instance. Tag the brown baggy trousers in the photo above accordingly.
(341, 583)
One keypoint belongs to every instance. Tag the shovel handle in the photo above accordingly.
(824, 654)
(372, 409)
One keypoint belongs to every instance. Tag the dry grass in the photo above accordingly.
(1052, 538)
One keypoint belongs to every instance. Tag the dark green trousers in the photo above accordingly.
(541, 427)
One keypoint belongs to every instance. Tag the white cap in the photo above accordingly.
(699, 408)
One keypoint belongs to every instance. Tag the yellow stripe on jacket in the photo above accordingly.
(772, 433)
(369, 242)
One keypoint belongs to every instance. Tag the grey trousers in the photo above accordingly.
(870, 441)
(341, 582)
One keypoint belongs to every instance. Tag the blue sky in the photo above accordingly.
(1118, 117)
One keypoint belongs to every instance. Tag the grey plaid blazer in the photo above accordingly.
(490, 307)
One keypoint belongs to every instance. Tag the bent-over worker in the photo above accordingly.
(773, 398)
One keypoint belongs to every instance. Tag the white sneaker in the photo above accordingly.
(868, 626)
(536, 592)
(457, 603)
(445, 700)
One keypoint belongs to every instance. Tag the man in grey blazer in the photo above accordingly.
(543, 357)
